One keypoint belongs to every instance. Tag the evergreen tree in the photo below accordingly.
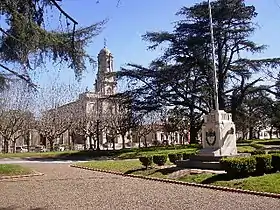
(183, 75)
(27, 43)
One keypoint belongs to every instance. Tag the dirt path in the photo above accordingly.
(63, 187)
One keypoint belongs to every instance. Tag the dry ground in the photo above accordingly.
(63, 187)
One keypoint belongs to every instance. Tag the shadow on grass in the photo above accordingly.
(167, 171)
(151, 171)
(76, 156)
(215, 178)
(136, 170)
(99, 154)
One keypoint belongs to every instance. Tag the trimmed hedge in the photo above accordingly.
(160, 160)
(239, 166)
(274, 152)
(186, 156)
(275, 162)
(174, 157)
(258, 152)
(146, 161)
(263, 164)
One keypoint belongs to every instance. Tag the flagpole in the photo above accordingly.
(216, 98)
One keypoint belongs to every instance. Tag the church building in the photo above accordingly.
(96, 103)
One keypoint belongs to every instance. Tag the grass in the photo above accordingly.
(11, 170)
(129, 167)
(121, 154)
(138, 153)
(245, 148)
(35, 154)
(267, 183)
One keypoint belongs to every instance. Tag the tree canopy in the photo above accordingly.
(183, 75)
(28, 42)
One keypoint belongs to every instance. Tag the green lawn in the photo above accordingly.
(11, 170)
(129, 167)
(266, 183)
(121, 154)
(35, 154)
(245, 148)
(138, 153)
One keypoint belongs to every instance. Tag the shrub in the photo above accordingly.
(186, 156)
(263, 164)
(160, 160)
(174, 157)
(274, 152)
(258, 152)
(146, 161)
(179, 156)
(257, 146)
(239, 166)
(275, 162)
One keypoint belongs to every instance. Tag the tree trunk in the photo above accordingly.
(251, 129)
(98, 143)
(51, 145)
(97, 136)
(145, 141)
(28, 143)
(193, 134)
(139, 141)
(123, 141)
(6, 146)
(259, 133)
(69, 141)
(14, 146)
(90, 143)
(114, 144)
(270, 132)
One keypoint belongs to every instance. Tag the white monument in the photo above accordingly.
(218, 130)
(218, 135)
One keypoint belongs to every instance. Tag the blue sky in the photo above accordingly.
(134, 17)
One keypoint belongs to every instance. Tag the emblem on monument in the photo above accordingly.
(211, 137)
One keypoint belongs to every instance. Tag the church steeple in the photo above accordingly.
(105, 83)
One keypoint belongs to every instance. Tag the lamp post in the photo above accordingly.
(216, 98)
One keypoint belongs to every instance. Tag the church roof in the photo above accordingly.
(105, 50)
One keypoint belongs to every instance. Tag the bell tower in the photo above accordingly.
(105, 82)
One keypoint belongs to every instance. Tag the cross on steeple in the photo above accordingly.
(105, 42)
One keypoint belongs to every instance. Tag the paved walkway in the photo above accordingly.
(63, 187)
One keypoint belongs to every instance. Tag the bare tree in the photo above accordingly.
(56, 114)
(147, 124)
(15, 113)
(120, 119)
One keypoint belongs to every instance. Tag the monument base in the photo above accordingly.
(218, 141)
(218, 135)
(205, 162)
(228, 151)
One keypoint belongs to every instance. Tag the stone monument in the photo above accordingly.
(218, 141)
(218, 135)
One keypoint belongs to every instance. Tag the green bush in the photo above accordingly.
(146, 161)
(160, 160)
(239, 166)
(186, 156)
(263, 164)
(257, 146)
(274, 152)
(174, 157)
(275, 162)
(258, 152)
(179, 156)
